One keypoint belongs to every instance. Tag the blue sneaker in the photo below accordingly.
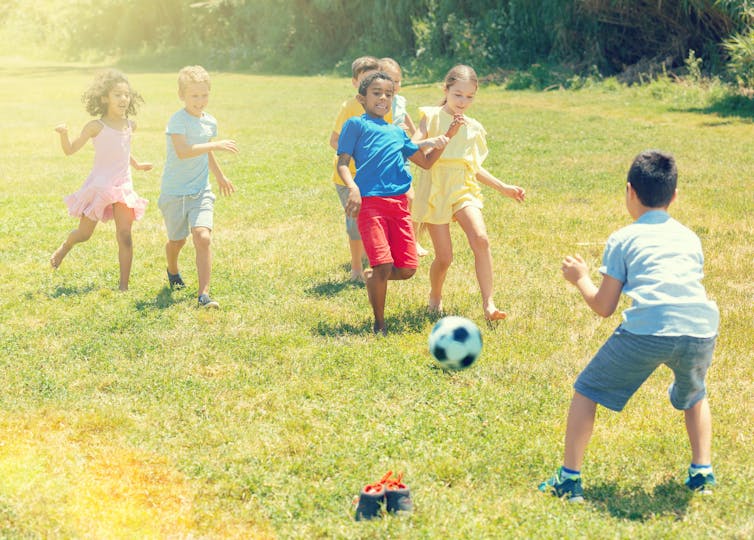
(700, 482)
(564, 485)
(206, 302)
(175, 281)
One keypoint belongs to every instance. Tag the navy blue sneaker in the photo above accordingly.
(206, 302)
(564, 485)
(701, 481)
(175, 281)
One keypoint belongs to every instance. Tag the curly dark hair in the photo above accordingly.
(101, 86)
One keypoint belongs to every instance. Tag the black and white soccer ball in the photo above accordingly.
(455, 342)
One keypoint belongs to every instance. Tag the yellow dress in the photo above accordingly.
(451, 183)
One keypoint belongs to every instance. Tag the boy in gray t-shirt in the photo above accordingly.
(657, 262)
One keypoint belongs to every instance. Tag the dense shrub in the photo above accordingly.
(306, 36)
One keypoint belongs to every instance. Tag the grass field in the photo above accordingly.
(136, 415)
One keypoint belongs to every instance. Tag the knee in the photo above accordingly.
(174, 245)
(406, 273)
(202, 238)
(82, 236)
(443, 260)
(124, 239)
(480, 242)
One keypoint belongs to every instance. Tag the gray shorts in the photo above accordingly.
(184, 212)
(626, 360)
(351, 226)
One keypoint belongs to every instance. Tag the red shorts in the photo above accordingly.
(387, 233)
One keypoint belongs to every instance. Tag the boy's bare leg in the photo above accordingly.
(471, 221)
(124, 218)
(578, 430)
(202, 237)
(81, 234)
(699, 428)
(377, 290)
(357, 254)
(172, 250)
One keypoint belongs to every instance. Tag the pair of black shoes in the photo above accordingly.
(388, 493)
(176, 282)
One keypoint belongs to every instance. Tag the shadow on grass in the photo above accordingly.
(163, 300)
(332, 287)
(738, 106)
(407, 322)
(69, 290)
(635, 504)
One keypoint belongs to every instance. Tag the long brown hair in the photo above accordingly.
(458, 73)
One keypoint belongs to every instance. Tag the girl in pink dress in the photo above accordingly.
(108, 192)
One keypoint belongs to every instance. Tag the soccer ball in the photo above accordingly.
(455, 342)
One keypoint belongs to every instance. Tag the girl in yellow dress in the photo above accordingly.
(450, 190)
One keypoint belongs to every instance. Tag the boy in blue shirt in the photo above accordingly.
(377, 195)
(657, 262)
(186, 198)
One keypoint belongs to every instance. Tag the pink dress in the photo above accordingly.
(110, 179)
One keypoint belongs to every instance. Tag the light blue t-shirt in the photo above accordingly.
(379, 150)
(399, 109)
(660, 263)
(187, 176)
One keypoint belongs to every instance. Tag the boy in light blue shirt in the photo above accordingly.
(657, 262)
(186, 198)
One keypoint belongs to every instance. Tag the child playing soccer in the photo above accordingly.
(186, 198)
(402, 119)
(108, 192)
(657, 262)
(360, 68)
(450, 191)
(377, 195)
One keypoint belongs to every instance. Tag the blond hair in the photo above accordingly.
(390, 64)
(192, 74)
(364, 63)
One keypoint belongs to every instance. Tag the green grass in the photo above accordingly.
(136, 415)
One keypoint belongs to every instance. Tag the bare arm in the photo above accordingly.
(602, 300)
(184, 150)
(226, 186)
(91, 129)
(408, 125)
(514, 192)
(353, 205)
(140, 166)
(334, 136)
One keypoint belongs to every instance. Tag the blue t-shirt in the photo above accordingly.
(660, 263)
(187, 176)
(379, 150)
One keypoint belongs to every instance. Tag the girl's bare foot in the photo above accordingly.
(380, 329)
(420, 251)
(59, 254)
(494, 314)
(434, 306)
(356, 277)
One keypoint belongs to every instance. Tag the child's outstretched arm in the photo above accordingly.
(184, 150)
(140, 166)
(353, 204)
(425, 161)
(602, 300)
(91, 129)
(514, 192)
(226, 186)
